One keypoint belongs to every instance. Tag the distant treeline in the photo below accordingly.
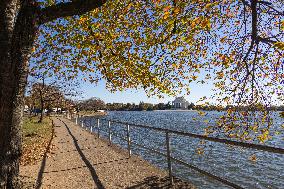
(94, 104)
(142, 106)
(137, 107)
(162, 106)
(277, 108)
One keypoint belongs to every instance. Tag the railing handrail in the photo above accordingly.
(209, 138)
(168, 155)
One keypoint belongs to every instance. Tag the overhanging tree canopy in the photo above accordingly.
(164, 45)
(160, 45)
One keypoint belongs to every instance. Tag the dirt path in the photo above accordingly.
(81, 160)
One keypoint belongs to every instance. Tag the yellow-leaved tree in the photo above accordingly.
(162, 46)
(158, 45)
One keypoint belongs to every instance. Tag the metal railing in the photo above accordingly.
(170, 158)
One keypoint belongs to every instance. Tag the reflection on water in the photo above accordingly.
(229, 162)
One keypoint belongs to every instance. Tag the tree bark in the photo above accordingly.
(41, 106)
(16, 38)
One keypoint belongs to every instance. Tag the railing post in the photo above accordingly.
(82, 123)
(128, 141)
(98, 124)
(109, 133)
(169, 157)
(91, 126)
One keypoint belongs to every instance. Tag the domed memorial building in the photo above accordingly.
(180, 103)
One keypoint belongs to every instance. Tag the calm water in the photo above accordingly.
(228, 162)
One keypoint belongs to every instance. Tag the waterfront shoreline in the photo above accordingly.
(91, 113)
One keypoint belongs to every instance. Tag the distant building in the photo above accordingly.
(26, 108)
(56, 109)
(180, 103)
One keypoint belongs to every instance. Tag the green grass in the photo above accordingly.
(35, 139)
(31, 128)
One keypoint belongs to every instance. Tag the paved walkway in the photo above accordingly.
(80, 160)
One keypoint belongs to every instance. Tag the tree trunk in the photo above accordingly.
(41, 93)
(17, 33)
(41, 106)
(18, 27)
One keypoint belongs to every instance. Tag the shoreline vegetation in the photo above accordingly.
(192, 107)
(94, 104)
(91, 113)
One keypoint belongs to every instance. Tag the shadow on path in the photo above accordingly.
(83, 157)
(42, 166)
(155, 182)
(119, 161)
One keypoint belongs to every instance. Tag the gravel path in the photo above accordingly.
(79, 159)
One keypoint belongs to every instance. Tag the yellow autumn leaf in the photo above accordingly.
(166, 15)
(253, 158)
(176, 10)
(200, 151)
(279, 45)
(220, 75)
(222, 40)
(201, 113)
(194, 77)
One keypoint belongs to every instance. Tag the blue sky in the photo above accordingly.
(135, 96)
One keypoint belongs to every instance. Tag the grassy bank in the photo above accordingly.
(91, 113)
(36, 137)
